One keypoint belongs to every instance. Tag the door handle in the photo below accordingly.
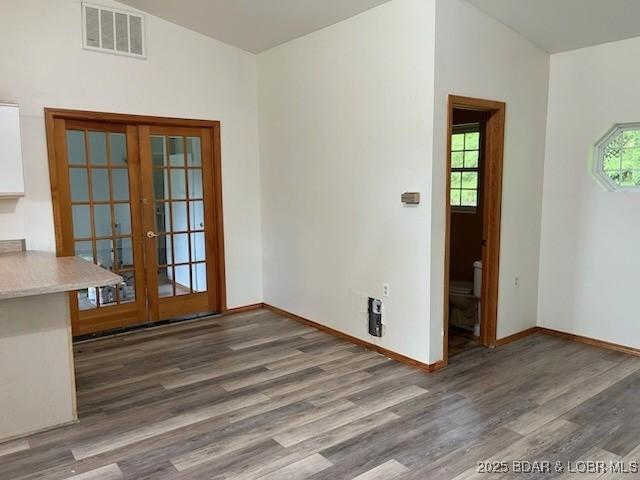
(151, 234)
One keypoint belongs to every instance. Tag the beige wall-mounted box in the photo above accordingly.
(410, 198)
(11, 173)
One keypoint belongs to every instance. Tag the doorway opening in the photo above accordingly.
(475, 145)
(142, 197)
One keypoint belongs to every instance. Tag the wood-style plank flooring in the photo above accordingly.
(256, 395)
(461, 341)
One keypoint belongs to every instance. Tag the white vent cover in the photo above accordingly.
(113, 31)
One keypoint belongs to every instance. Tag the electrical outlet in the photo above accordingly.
(516, 282)
(385, 289)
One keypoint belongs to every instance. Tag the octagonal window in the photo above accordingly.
(617, 158)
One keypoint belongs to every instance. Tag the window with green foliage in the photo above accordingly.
(618, 158)
(465, 164)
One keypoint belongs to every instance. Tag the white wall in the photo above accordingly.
(351, 117)
(479, 57)
(589, 265)
(186, 75)
(345, 128)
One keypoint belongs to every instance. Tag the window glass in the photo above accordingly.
(618, 158)
(465, 164)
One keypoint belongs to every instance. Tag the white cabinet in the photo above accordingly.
(11, 176)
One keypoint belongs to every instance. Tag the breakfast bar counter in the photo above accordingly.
(37, 386)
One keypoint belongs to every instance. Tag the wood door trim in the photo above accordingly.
(475, 104)
(54, 179)
(210, 213)
(97, 125)
(219, 239)
(63, 224)
(135, 121)
(125, 118)
(492, 208)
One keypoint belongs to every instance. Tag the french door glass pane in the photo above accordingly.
(163, 217)
(123, 253)
(183, 280)
(176, 151)
(195, 183)
(181, 248)
(100, 184)
(76, 151)
(98, 148)
(163, 249)
(196, 214)
(197, 247)
(118, 145)
(81, 221)
(120, 180)
(165, 282)
(161, 184)
(86, 299)
(102, 218)
(199, 277)
(179, 216)
(84, 250)
(79, 184)
(128, 287)
(108, 295)
(194, 158)
(178, 184)
(122, 220)
(158, 157)
(104, 252)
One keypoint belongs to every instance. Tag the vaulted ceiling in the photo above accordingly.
(561, 25)
(257, 25)
(254, 25)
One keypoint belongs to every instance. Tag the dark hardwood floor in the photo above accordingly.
(259, 396)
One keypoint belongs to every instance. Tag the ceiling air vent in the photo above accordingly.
(113, 31)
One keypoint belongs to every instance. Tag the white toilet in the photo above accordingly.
(477, 278)
(464, 301)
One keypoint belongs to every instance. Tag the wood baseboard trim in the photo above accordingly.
(243, 309)
(570, 337)
(425, 367)
(433, 367)
(38, 431)
(516, 336)
(590, 341)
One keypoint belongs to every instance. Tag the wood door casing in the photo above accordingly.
(492, 206)
(86, 323)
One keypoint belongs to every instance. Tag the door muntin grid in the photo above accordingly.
(179, 214)
(97, 164)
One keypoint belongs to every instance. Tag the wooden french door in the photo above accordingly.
(142, 200)
(177, 187)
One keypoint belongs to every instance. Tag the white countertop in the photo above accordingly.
(24, 274)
